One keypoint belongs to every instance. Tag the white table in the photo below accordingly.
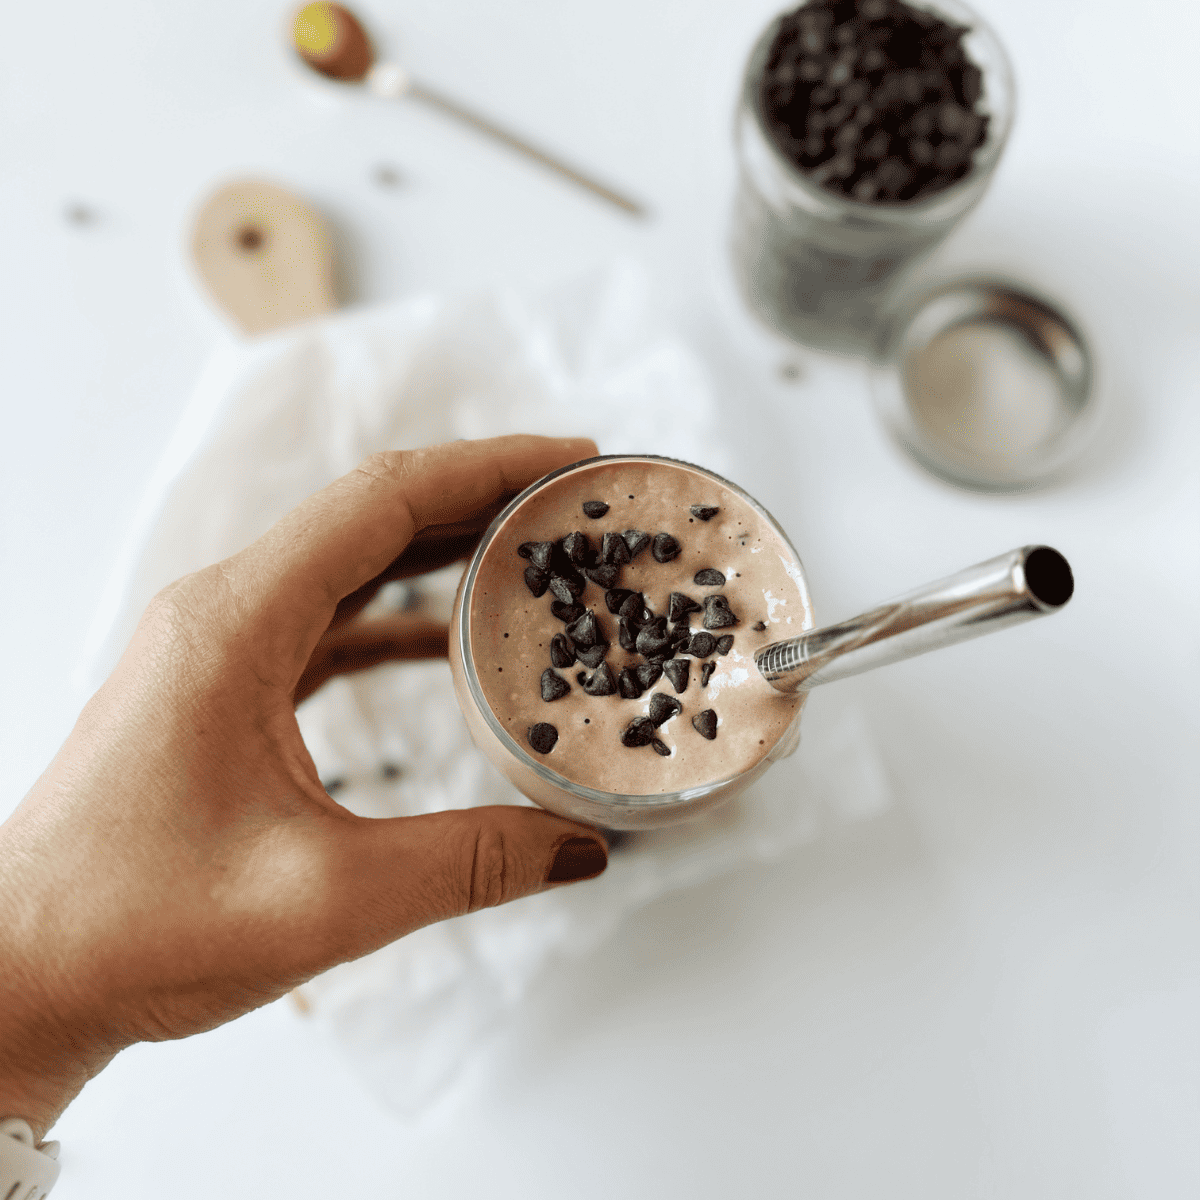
(989, 991)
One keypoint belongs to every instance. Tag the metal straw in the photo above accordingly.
(1026, 583)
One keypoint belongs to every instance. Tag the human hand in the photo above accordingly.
(179, 863)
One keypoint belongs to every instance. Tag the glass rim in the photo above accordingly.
(466, 656)
(827, 203)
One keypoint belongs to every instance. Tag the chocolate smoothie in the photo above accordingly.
(612, 620)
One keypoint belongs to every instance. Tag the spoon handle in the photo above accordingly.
(452, 108)
(1026, 583)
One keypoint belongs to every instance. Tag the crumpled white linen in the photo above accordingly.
(274, 420)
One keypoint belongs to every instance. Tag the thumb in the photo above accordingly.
(405, 872)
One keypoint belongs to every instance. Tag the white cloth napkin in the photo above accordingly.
(274, 420)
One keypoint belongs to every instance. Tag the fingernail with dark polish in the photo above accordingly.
(577, 858)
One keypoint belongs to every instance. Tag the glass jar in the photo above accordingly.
(820, 267)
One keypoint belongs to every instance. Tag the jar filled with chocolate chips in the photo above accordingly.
(865, 131)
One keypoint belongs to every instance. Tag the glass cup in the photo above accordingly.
(496, 561)
(820, 267)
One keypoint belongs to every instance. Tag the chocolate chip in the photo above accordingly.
(567, 588)
(539, 554)
(702, 645)
(562, 653)
(536, 581)
(717, 613)
(605, 575)
(660, 747)
(626, 636)
(628, 685)
(525, 549)
(706, 672)
(663, 708)
(681, 635)
(613, 550)
(704, 512)
(542, 737)
(705, 724)
(759, 626)
(679, 605)
(639, 732)
(581, 677)
(648, 674)
(595, 508)
(709, 578)
(615, 597)
(566, 612)
(677, 670)
(725, 644)
(586, 630)
(579, 549)
(653, 641)
(602, 682)
(636, 540)
(592, 656)
(665, 548)
(554, 686)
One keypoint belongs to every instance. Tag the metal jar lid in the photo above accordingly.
(985, 384)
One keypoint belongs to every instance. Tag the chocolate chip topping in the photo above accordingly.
(702, 645)
(705, 724)
(660, 747)
(562, 653)
(725, 644)
(581, 677)
(539, 554)
(525, 549)
(679, 605)
(567, 588)
(613, 550)
(602, 682)
(626, 636)
(536, 581)
(636, 540)
(652, 640)
(591, 656)
(709, 578)
(542, 737)
(665, 548)
(579, 549)
(566, 612)
(615, 597)
(663, 708)
(704, 512)
(554, 686)
(706, 672)
(639, 732)
(717, 613)
(604, 575)
(677, 670)
(648, 674)
(628, 685)
(595, 509)
(585, 631)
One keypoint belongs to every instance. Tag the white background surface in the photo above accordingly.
(991, 990)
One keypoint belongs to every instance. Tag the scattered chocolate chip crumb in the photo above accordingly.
(706, 672)
(636, 540)
(705, 724)
(665, 548)
(536, 581)
(639, 732)
(704, 512)
(702, 645)
(595, 508)
(725, 644)
(615, 597)
(759, 626)
(542, 737)
(566, 612)
(613, 550)
(709, 578)
(663, 708)
(628, 685)
(660, 747)
(648, 674)
(717, 613)
(562, 653)
(539, 554)
(591, 656)
(605, 575)
(679, 605)
(554, 686)
(602, 682)
(677, 670)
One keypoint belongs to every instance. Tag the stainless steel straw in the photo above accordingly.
(1026, 583)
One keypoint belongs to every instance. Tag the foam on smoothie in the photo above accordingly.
(511, 629)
